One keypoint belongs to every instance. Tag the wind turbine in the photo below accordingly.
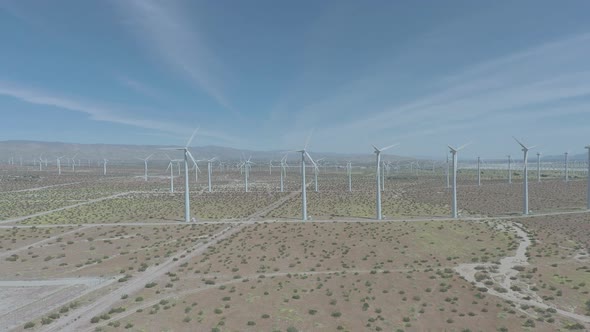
(145, 160)
(316, 170)
(283, 170)
(104, 166)
(509, 170)
(566, 169)
(378, 173)
(478, 172)
(197, 169)
(525, 198)
(349, 171)
(448, 173)
(209, 170)
(246, 165)
(58, 161)
(588, 175)
(304, 153)
(539, 167)
(187, 155)
(171, 167)
(454, 201)
(73, 163)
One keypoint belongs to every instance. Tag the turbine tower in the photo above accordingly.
(304, 153)
(171, 167)
(104, 166)
(539, 167)
(187, 155)
(478, 172)
(588, 185)
(454, 151)
(58, 160)
(74, 163)
(525, 196)
(283, 170)
(378, 173)
(566, 169)
(209, 170)
(349, 171)
(448, 173)
(316, 170)
(246, 165)
(509, 170)
(145, 160)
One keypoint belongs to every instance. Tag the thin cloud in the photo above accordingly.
(139, 87)
(166, 31)
(552, 73)
(100, 112)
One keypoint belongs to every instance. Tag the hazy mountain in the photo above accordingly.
(50, 150)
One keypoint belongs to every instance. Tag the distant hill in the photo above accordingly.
(50, 150)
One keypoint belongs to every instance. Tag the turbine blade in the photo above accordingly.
(308, 139)
(191, 156)
(463, 146)
(519, 142)
(376, 150)
(192, 136)
(310, 159)
(389, 147)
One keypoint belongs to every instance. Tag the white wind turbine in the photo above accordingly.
(209, 170)
(588, 175)
(58, 161)
(145, 162)
(283, 170)
(104, 166)
(197, 169)
(509, 170)
(378, 174)
(187, 155)
(316, 170)
(245, 169)
(171, 167)
(454, 151)
(539, 167)
(566, 168)
(448, 173)
(74, 163)
(525, 196)
(478, 172)
(304, 153)
(349, 171)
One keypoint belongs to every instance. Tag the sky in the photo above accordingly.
(263, 75)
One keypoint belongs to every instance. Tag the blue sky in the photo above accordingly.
(261, 74)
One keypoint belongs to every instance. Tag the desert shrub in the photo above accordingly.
(29, 325)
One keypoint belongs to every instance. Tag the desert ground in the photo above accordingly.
(88, 252)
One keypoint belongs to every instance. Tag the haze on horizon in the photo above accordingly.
(259, 75)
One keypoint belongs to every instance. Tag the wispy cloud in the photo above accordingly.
(527, 84)
(106, 113)
(167, 32)
(139, 87)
